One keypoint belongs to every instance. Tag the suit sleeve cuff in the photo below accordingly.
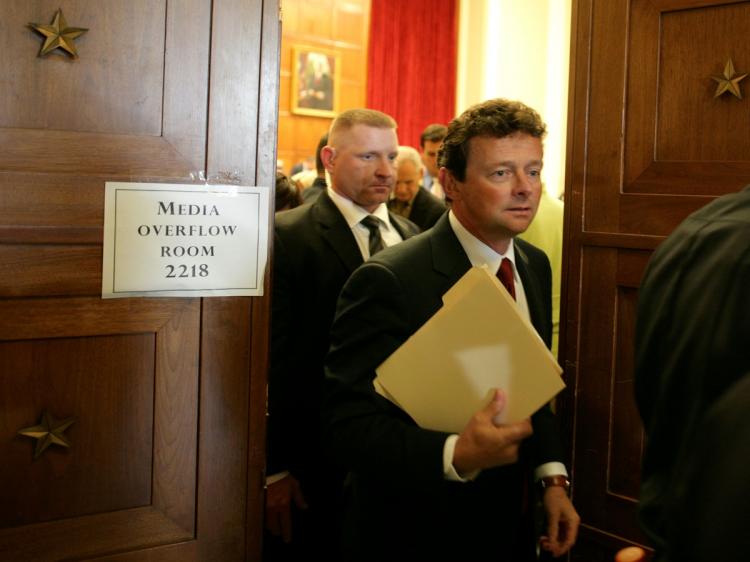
(273, 478)
(449, 471)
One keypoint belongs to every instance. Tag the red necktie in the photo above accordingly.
(505, 275)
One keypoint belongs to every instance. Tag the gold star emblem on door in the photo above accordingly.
(48, 432)
(58, 35)
(729, 81)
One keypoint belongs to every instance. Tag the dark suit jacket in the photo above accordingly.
(692, 341)
(426, 209)
(708, 522)
(400, 501)
(314, 253)
(313, 192)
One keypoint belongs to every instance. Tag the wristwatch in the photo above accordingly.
(557, 480)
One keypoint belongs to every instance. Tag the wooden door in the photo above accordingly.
(648, 144)
(166, 452)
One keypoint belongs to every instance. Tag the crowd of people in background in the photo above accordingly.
(308, 178)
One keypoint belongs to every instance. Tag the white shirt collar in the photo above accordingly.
(353, 213)
(479, 253)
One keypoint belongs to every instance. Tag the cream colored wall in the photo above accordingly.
(519, 49)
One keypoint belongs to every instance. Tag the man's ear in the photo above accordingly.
(451, 186)
(327, 154)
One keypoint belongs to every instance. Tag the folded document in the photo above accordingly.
(477, 341)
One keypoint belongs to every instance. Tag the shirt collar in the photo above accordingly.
(353, 213)
(479, 253)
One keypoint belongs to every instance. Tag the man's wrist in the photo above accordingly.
(555, 481)
(449, 470)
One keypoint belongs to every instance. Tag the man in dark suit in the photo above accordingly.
(429, 146)
(409, 199)
(319, 183)
(708, 521)
(316, 247)
(692, 337)
(416, 494)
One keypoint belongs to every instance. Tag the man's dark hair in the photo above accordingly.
(319, 167)
(495, 118)
(287, 193)
(433, 133)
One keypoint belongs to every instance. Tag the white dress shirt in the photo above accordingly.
(480, 254)
(353, 215)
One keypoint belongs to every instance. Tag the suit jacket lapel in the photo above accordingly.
(336, 232)
(398, 223)
(532, 289)
(448, 256)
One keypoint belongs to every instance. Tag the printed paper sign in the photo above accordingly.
(171, 240)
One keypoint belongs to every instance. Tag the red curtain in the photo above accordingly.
(412, 63)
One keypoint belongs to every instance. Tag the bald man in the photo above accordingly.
(316, 248)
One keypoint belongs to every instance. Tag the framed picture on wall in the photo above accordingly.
(315, 81)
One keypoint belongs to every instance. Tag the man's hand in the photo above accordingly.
(279, 497)
(562, 521)
(484, 443)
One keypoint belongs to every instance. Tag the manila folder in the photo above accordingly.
(477, 341)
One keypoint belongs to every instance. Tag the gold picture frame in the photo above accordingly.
(315, 81)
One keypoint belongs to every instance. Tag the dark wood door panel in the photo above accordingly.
(680, 139)
(657, 144)
(128, 371)
(151, 381)
(123, 50)
(593, 545)
(53, 270)
(94, 536)
(655, 215)
(45, 318)
(50, 200)
(107, 384)
(135, 104)
(608, 433)
(113, 157)
(142, 70)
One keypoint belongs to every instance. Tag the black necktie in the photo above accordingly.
(372, 223)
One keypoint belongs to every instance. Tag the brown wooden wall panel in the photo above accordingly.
(338, 25)
(351, 24)
(124, 54)
(107, 384)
